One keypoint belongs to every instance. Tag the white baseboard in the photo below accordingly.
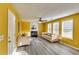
(69, 45)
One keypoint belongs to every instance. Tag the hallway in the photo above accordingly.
(39, 46)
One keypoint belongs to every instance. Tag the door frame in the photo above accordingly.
(14, 19)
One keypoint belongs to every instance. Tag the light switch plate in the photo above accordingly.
(1, 37)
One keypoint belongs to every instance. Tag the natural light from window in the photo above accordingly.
(67, 29)
(49, 28)
(56, 28)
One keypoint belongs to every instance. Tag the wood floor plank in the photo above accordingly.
(50, 52)
(73, 51)
(57, 49)
(40, 46)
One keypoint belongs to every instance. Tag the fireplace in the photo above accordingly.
(33, 33)
(34, 29)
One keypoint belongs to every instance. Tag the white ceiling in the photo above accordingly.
(31, 11)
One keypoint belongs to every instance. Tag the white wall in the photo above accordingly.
(34, 23)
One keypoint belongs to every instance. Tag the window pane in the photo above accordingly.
(67, 29)
(49, 28)
(56, 28)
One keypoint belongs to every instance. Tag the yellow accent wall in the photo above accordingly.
(45, 27)
(4, 26)
(25, 27)
(75, 41)
(40, 28)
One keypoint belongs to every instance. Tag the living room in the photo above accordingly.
(39, 29)
(59, 29)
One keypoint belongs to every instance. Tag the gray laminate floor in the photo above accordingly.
(40, 46)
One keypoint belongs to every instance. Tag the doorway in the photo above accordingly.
(11, 32)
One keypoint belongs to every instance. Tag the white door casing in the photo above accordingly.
(11, 32)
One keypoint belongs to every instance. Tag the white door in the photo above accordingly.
(11, 32)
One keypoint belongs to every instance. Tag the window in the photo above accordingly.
(49, 28)
(67, 29)
(56, 28)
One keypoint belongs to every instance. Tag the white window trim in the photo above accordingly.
(54, 31)
(67, 36)
(49, 28)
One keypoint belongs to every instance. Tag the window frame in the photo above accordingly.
(49, 26)
(71, 37)
(55, 29)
